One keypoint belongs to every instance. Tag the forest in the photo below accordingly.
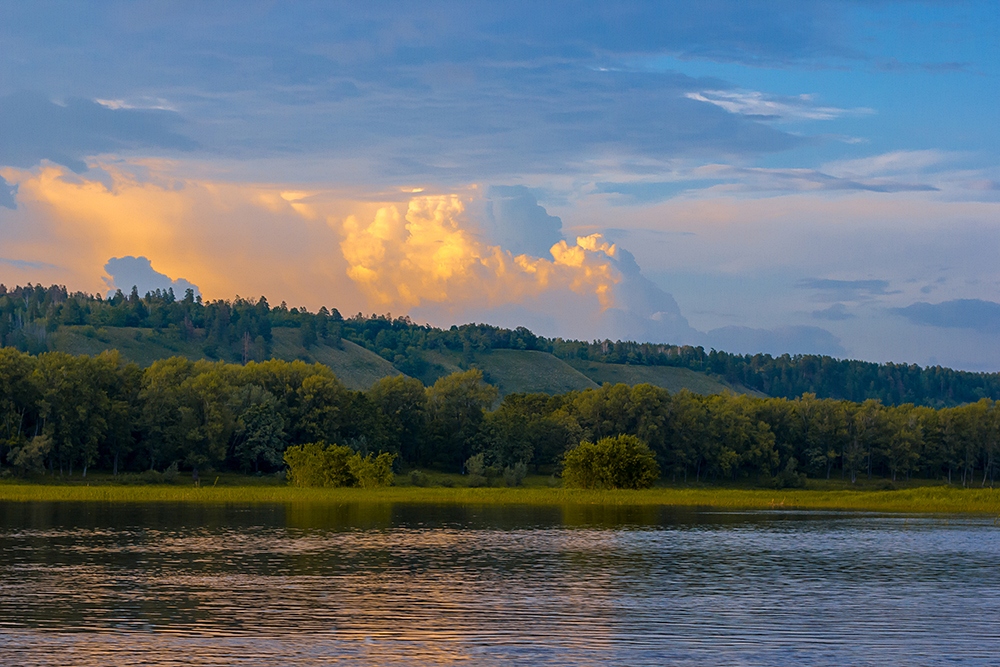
(239, 330)
(65, 414)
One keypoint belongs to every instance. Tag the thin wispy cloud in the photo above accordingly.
(759, 105)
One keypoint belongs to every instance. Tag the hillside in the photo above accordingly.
(511, 371)
(145, 328)
(670, 378)
(356, 367)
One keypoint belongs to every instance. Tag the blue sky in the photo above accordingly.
(774, 176)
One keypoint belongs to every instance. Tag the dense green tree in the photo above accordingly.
(457, 405)
(619, 462)
(403, 403)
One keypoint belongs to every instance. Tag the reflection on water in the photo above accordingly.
(93, 584)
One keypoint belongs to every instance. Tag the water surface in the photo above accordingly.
(160, 584)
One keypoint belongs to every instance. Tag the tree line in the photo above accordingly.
(65, 414)
(240, 330)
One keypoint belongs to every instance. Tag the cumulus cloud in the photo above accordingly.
(976, 314)
(428, 254)
(128, 272)
(7, 193)
(515, 221)
(226, 238)
(424, 254)
(33, 128)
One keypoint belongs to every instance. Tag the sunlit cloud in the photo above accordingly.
(309, 247)
(428, 254)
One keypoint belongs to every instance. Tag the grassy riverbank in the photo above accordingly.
(923, 499)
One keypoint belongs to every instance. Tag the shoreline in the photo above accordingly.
(924, 499)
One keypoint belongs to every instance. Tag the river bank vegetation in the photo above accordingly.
(63, 415)
(918, 499)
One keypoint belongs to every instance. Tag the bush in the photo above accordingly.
(476, 467)
(372, 471)
(30, 456)
(622, 462)
(515, 474)
(319, 464)
(789, 478)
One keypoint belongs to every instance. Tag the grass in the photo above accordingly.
(237, 489)
(670, 378)
(531, 371)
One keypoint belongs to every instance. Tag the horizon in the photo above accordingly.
(816, 178)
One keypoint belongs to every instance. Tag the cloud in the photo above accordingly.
(128, 272)
(226, 238)
(845, 290)
(781, 340)
(7, 194)
(836, 312)
(762, 106)
(976, 314)
(893, 163)
(515, 221)
(422, 255)
(33, 128)
(23, 264)
(429, 255)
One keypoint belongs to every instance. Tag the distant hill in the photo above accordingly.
(355, 366)
(363, 348)
(669, 377)
(511, 371)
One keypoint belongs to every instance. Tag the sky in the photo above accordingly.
(779, 177)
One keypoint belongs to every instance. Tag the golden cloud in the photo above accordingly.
(429, 255)
(308, 247)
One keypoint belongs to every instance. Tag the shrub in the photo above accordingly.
(622, 462)
(515, 474)
(372, 471)
(789, 478)
(319, 464)
(476, 467)
(30, 456)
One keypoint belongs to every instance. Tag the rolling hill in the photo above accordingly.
(511, 371)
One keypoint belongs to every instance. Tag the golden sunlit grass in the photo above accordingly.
(934, 499)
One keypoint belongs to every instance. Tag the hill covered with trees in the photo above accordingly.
(362, 349)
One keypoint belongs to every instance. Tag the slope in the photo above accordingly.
(356, 367)
(669, 377)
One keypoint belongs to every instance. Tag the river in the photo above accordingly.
(89, 584)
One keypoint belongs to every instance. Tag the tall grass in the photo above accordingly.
(933, 499)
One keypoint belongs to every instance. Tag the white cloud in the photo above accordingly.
(762, 105)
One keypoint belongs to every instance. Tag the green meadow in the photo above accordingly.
(231, 489)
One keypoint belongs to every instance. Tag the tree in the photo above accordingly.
(260, 429)
(207, 420)
(403, 403)
(457, 404)
(620, 462)
(18, 398)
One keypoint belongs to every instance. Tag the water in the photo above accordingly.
(93, 584)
